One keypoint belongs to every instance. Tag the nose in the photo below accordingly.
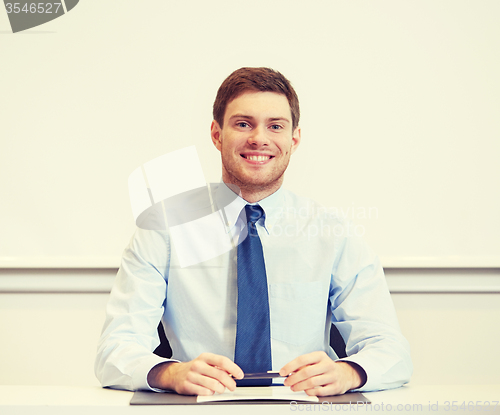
(258, 137)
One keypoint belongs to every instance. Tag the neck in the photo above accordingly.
(253, 193)
(257, 195)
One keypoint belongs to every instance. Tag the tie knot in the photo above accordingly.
(254, 213)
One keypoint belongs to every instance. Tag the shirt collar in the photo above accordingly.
(229, 205)
(273, 208)
(230, 212)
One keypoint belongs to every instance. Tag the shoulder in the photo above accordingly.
(328, 225)
(310, 209)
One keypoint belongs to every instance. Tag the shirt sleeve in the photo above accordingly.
(135, 307)
(363, 312)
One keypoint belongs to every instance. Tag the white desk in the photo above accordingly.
(67, 400)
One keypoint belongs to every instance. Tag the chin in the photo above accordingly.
(252, 179)
(260, 182)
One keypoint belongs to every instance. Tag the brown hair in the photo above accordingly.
(255, 79)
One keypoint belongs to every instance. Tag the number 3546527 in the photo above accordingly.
(33, 8)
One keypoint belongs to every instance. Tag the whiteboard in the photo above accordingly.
(400, 121)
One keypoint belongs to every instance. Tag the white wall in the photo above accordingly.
(50, 339)
(454, 337)
(399, 103)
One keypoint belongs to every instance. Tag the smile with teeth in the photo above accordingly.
(256, 158)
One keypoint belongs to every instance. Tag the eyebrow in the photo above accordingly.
(248, 117)
(279, 119)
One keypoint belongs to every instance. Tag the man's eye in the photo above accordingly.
(242, 124)
(276, 127)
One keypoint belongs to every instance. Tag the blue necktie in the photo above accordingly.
(253, 329)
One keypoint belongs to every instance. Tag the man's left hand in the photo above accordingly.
(318, 375)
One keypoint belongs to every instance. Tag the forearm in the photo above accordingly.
(124, 366)
(364, 314)
(135, 307)
(386, 364)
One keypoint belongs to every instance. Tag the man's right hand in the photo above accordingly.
(205, 375)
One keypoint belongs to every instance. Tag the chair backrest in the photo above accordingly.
(336, 342)
(164, 349)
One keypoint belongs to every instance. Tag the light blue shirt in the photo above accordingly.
(318, 272)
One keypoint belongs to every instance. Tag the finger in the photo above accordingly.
(189, 388)
(221, 376)
(223, 363)
(303, 373)
(327, 390)
(301, 361)
(322, 367)
(221, 379)
(313, 382)
(206, 379)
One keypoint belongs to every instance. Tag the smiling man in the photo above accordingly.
(256, 137)
(269, 303)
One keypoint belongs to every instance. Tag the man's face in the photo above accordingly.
(256, 140)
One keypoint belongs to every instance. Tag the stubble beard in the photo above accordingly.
(235, 174)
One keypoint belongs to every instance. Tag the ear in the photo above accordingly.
(216, 134)
(295, 140)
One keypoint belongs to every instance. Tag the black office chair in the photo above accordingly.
(336, 342)
(164, 349)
